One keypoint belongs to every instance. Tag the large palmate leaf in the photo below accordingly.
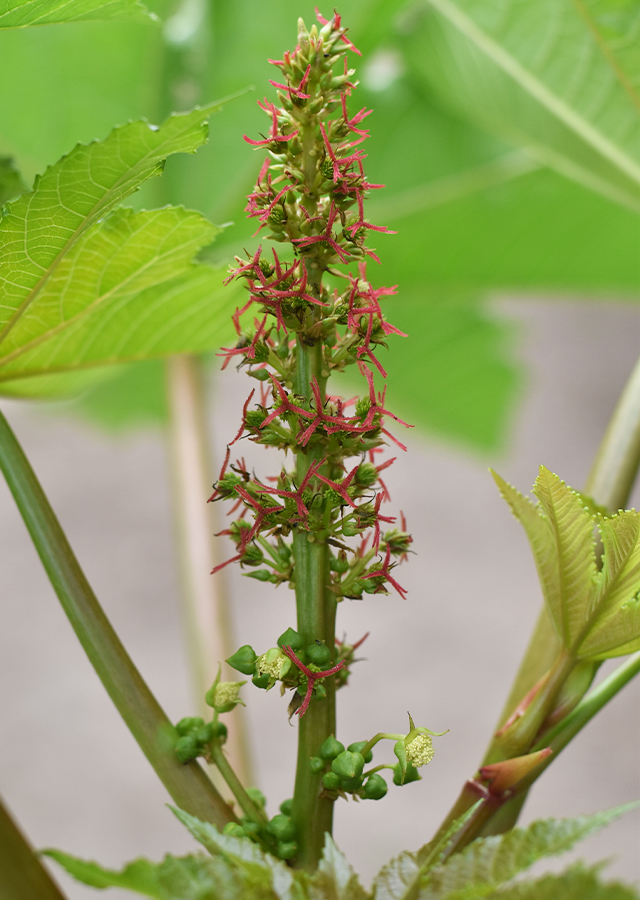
(334, 878)
(596, 614)
(560, 79)
(21, 13)
(107, 285)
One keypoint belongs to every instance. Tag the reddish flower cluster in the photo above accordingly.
(310, 194)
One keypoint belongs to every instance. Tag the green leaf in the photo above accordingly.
(21, 13)
(560, 533)
(577, 883)
(140, 876)
(614, 614)
(11, 183)
(194, 877)
(107, 286)
(277, 877)
(489, 862)
(557, 80)
(334, 878)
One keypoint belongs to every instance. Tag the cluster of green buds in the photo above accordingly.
(310, 194)
(298, 668)
(343, 771)
(277, 835)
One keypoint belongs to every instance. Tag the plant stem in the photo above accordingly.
(315, 608)
(22, 874)
(188, 785)
(218, 757)
(207, 616)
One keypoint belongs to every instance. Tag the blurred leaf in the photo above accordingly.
(577, 883)
(552, 78)
(106, 287)
(11, 183)
(488, 863)
(334, 878)
(139, 876)
(21, 13)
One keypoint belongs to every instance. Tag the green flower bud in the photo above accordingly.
(331, 748)
(366, 474)
(244, 660)
(319, 692)
(282, 827)
(351, 784)
(234, 829)
(290, 638)
(317, 765)
(286, 849)
(220, 731)
(259, 574)
(261, 681)
(252, 556)
(339, 564)
(357, 747)
(410, 775)
(187, 748)
(375, 787)
(204, 734)
(223, 696)
(331, 781)
(348, 764)
(190, 723)
(255, 417)
(286, 806)
(318, 654)
(274, 662)
(260, 374)
(257, 796)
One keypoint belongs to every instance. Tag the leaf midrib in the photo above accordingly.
(101, 207)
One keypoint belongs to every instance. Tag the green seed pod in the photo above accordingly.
(244, 660)
(187, 748)
(331, 781)
(331, 748)
(340, 564)
(357, 747)
(375, 787)
(348, 764)
(257, 796)
(261, 681)
(410, 775)
(317, 765)
(282, 351)
(259, 574)
(286, 806)
(190, 723)
(318, 654)
(351, 784)
(234, 829)
(260, 374)
(290, 638)
(286, 849)
(282, 827)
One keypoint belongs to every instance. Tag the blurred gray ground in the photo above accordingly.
(69, 769)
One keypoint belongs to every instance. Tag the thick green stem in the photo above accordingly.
(315, 607)
(188, 785)
(22, 874)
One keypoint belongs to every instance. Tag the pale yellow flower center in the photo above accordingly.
(271, 663)
(419, 751)
(226, 692)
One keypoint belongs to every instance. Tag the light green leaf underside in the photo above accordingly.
(557, 77)
(277, 877)
(615, 608)
(577, 883)
(334, 878)
(596, 614)
(397, 878)
(22, 13)
(560, 533)
(140, 876)
(489, 862)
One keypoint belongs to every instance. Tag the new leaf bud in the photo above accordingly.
(244, 660)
